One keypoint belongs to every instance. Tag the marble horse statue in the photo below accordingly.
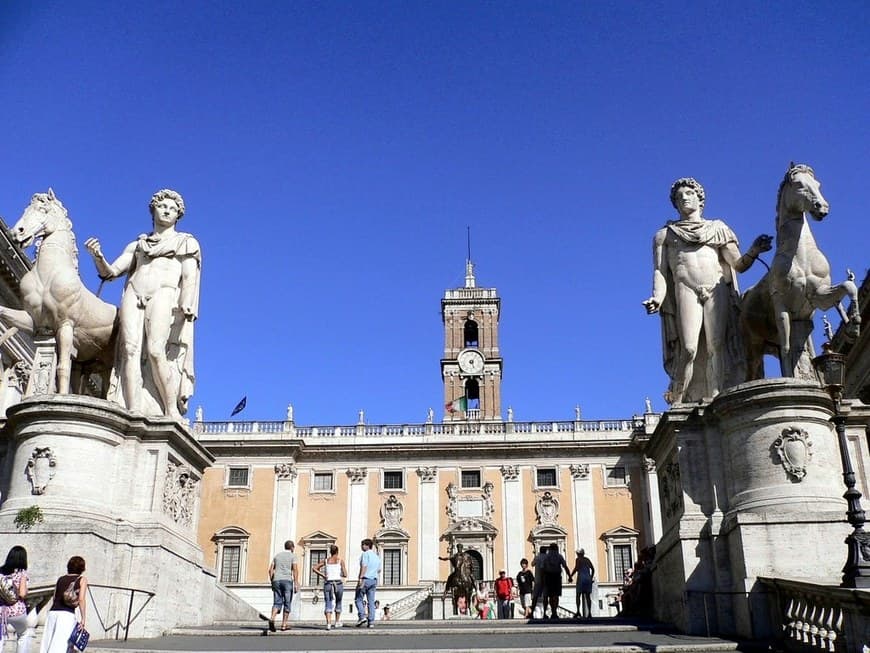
(56, 300)
(777, 313)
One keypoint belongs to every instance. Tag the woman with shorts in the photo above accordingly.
(333, 571)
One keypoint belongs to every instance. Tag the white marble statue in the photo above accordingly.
(158, 308)
(430, 416)
(695, 266)
(289, 412)
(198, 414)
(779, 308)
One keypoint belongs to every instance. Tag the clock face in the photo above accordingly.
(470, 361)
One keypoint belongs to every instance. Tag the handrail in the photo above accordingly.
(130, 616)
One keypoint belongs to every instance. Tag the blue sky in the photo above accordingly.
(331, 155)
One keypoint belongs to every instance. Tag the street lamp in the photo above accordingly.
(831, 370)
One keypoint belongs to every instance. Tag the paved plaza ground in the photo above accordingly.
(602, 636)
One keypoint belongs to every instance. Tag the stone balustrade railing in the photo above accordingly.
(812, 617)
(625, 427)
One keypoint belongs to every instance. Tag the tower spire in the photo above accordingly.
(469, 266)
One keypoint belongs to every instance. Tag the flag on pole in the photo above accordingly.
(459, 405)
(240, 406)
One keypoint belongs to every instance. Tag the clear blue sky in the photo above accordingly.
(331, 155)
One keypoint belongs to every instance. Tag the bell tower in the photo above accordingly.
(471, 367)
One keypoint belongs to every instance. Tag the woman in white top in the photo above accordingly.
(333, 570)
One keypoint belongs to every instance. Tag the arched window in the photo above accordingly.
(470, 333)
(476, 564)
(472, 393)
(232, 553)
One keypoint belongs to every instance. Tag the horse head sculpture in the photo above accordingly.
(44, 215)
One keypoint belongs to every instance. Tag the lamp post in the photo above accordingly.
(831, 370)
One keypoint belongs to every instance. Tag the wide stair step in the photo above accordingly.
(509, 636)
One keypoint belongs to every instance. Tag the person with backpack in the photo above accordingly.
(70, 592)
(551, 572)
(13, 608)
(503, 586)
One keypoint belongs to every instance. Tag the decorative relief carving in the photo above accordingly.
(357, 475)
(179, 493)
(671, 489)
(452, 495)
(40, 469)
(510, 472)
(547, 509)
(794, 450)
(427, 474)
(649, 465)
(392, 512)
(286, 471)
(488, 503)
(579, 470)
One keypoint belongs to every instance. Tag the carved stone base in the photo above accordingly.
(122, 491)
(750, 485)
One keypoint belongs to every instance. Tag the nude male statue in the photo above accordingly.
(158, 307)
(695, 288)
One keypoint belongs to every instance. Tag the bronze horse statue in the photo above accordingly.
(56, 300)
(460, 582)
(777, 312)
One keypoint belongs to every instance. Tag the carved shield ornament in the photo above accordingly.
(794, 449)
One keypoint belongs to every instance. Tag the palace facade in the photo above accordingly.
(502, 489)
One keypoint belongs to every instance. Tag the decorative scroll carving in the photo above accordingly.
(510, 472)
(427, 474)
(179, 493)
(579, 470)
(392, 512)
(794, 450)
(40, 469)
(357, 474)
(649, 465)
(286, 471)
(547, 509)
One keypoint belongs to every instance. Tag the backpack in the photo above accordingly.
(8, 595)
(71, 594)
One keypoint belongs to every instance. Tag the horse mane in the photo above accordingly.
(793, 169)
(54, 203)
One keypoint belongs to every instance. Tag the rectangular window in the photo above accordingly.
(394, 480)
(621, 561)
(470, 478)
(392, 566)
(615, 476)
(322, 482)
(231, 557)
(546, 477)
(238, 477)
(315, 557)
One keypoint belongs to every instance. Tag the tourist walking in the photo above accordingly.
(540, 589)
(525, 587)
(504, 585)
(551, 572)
(585, 573)
(16, 615)
(70, 592)
(334, 572)
(284, 575)
(367, 583)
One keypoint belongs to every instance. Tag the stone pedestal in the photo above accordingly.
(122, 491)
(750, 485)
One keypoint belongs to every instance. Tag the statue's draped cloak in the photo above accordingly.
(179, 348)
(716, 234)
